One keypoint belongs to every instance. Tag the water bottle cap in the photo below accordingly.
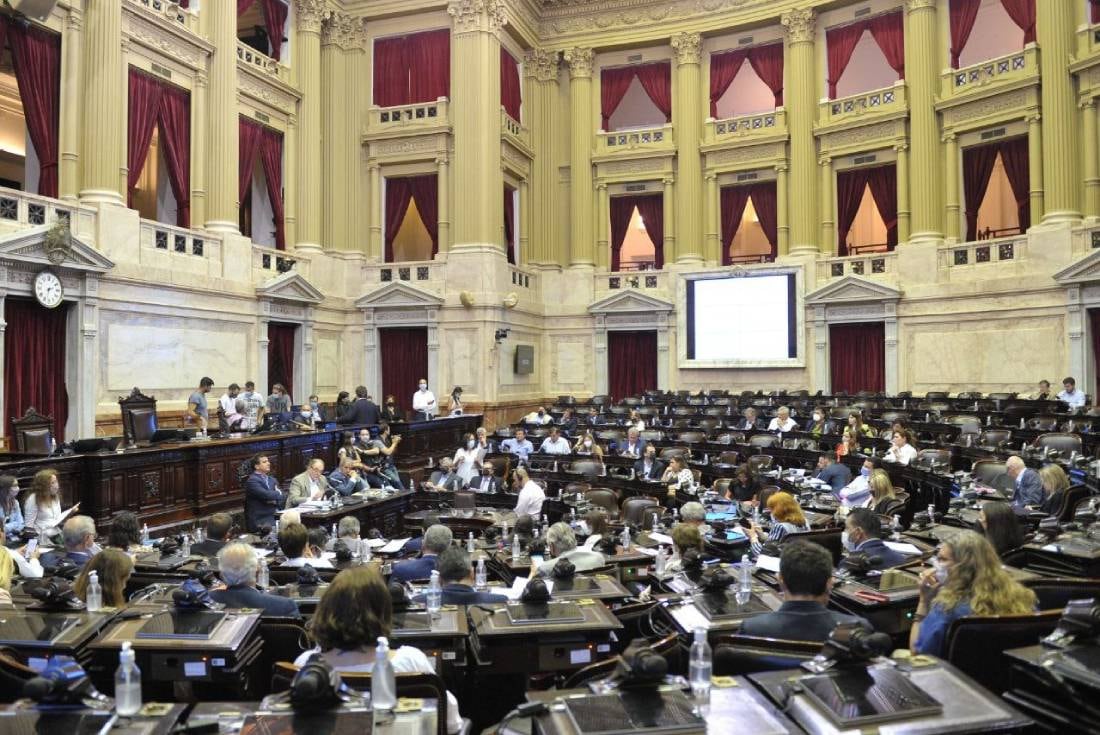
(93, 576)
(383, 642)
(700, 635)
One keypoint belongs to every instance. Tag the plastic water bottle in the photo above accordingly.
(624, 539)
(744, 589)
(481, 576)
(200, 534)
(261, 574)
(333, 530)
(659, 562)
(931, 514)
(364, 550)
(185, 550)
(675, 516)
(517, 549)
(383, 683)
(470, 542)
(94, 596)
(896, 527)
(435, 594)
(545, 525)
(145, 535)
(127, 683)
(700, 667)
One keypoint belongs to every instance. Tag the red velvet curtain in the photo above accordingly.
(34, 362)
(977, 168)
(857, 357)
(175, 135)
(249, 134)
(767, 62)
(840, 43)
(398, 196)
(849, 193)
(631, 363)
(764, 201)
(1094, 14)
(723, 70)
(613, 86)
(889, 34)
(1022, 13)
(652, 209)
(1094, 330)
(404, 354)
(425, 192)
(243, 5)
(509, 224)
(36, 57)
(144, 102)
(275, 12)
(271, 158)
(656, 80)
(962, 13)
(622, 209)
(732, 201)
(280, 356)
(883, 181)
(1015, 159)
(429, 57)
(391, 72)
(511, 94)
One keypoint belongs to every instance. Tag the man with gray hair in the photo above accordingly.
(347, 530)
(696, 515)
(310, 485)
(782, 422)
(562, 544)
(456, 575)
(78, 534)
(237, 564)
(436, 540)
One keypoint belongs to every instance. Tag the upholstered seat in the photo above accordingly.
(139, 416)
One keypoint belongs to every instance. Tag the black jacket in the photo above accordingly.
(209, 547)
(250, 597)
(798, 620)
(655, 470)
(362, 412)
(486, 484)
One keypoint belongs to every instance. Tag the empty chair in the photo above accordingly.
(652, 435)
(610, 436)
(632, 401)
(991, 472)
(1001, 396)
(1064, 444)
(995, 438)
(970, 395)
(736, 655)
(1053, 594)
(729, 437)
(962, 419)
(33, 433)
(763, 440)
(932, 457)
(892, 416)
(760, 462)
(839, 413)
(691, 437)
(604, 498)
(139, 416)
(669, 452)
(634, 509)
(976, 645)
(566, 400)
(709, 424)
(935, 395)
(1043, 423)
(727, 459)
(683, 411)
(588, 468)
(599, 400)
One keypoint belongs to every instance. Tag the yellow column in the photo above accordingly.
(475, 118)
(1092, 163)
(68, 173)
(355, 52)
(222, 133)
(669, 209)
(713, 250)
(603, 225)
(582, 129)
(783, 227)
(375, 198)
(801, 103)
(688, 120)
(922, 80)
(1055, 30)
(1036, 164)
(904, 199)
(524, 220)
(951, 185)
(336, 95)
(104, 101)
(540, 112)
(443, 211)
(198, 149)
(307, 60)
(827, 232)
(290, 180)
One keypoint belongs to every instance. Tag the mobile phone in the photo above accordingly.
(536, 558)
(32, 544)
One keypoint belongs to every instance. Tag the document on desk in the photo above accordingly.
(768, 563)
(519, 583)
(902, 548)
(374, 543)
(394, 546)
(660, 537)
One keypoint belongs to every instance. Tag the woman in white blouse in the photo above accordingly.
(467, 460)
(678, 476)
(42, 508)
(900, 451)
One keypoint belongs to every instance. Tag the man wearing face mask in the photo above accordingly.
(423, 402)
(555, 443)
(649, 467)
(857, 491)
(862, 531)
(819, 424)
(835, 473)
(486, 482)
(315, 411)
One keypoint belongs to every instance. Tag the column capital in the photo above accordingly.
(901, 147)
(311, 14)
(74, 21)
(292, 120)
(342, 30)
(477, 15)
(824, 161)
(581, 61)
(1033, 116)
(800, 25)
(948, 137)
(201, 79)
(441, 160)
(541, 65)
(688, 46)
(710, 176)
(782, 168)
(668, 181)
(912, 5)
(601, 186)
(1086, 103)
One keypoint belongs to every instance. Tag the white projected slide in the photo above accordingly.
(742, 318)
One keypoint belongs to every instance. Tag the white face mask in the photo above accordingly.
(470, 444)
(423, 386)
(817, 417)
(940, 568)
(588, 443)
(846, 542)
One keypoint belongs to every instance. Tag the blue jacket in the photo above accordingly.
(1028, 489)
(343, 484)
(80, 558)
(888, 557)
(637, 451)
(14, 522)
(837, 475)
(243, 596)
(798, 620)
(262, 498)
(463, 594)
(407, 571)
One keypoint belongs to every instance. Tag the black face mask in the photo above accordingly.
(389, 405)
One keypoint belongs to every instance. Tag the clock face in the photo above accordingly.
(48, 289)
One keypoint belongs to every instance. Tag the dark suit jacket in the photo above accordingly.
(343, 484)
(362, 411)
(837, 475)
(798, 621)
(1028, 489)
(261, 499)
(241, 596)
(80, 558)
(446, 480)
(464, 594)
(638, 450)
(655, 470)
(744, 425)
(889, 557)
(209, 547)
(407, 571)
(391, 416)
(485, 484)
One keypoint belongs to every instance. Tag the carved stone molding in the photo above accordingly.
(800, 25)
(562, 17)
(541, 65)
(862, 134)
(311, 14)
(268, 94)
(145, 32)
(74, 21)
(637, 166)
(688, 46)
(475, 15)
(912, 5)
(1016, 99)
(581, 61)
(404, 145)
(342, 30)
(743, 154)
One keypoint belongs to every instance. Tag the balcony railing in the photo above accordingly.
(267, 263)
(981, 252)
(862, 264)
(1086, 239)
(179, 249)
(514, 130)
(746, 128)
(891, 100)
(999, 70)
(261, 62)
(169, 11)
(19, 207)
(642, 280)
(631, 141)
(403, 118)
(524, 280)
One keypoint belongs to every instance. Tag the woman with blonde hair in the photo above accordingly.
(1055, 484)
(684, 536)
(882, 492)
(114, 567)
(7, 569)
(966, 579)
(42, 508)
(787, 518)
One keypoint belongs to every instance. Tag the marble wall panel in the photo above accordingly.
(328, 351)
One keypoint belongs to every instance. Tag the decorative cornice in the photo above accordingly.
(541, 65)
(311, 14)
(342, 30)
(912, 5)
(800, 25)
(477, 15)
(581, 61)
(568, 17)
(688, 46)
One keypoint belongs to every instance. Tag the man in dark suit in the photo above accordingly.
(445, 479)
(262, 496)
(634, 446)
(78, 533)
(237, 564)
(217, 530)
(486, 481)
(1027, 485)
(805, 577)
(436, 540)
(362, 410)
(649, 467)
(456, 574)
(748, 421)
(835, 473)
(862, 531)
(568, 422)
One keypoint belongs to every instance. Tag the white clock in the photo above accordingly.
(48, 289)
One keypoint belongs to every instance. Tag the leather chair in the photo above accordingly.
(669, 452)
(976, 645)
(576, 487)
(465, 501)
(763, 440)
(632, 401)
(892, 416)
(1077, 426)
(995, 438)
(709, 424)
(730, 437)
(839, 413)
(652, 435)
(683, 411)
(722, 486)
(1070, 500)
(587, 468)
(1001, 396)
(933, 456)
(760, 462)
(1054, 593)
(634, 510)
(962, 419)
(599, 400)
(1065, 444)
(991, 472)
(33, 433)
(830, 538)
(970, 395)
(935, 395)
(691, 437)
(610, 436)
(737, 655)
(716, 411)
(566, 400)
(284, 640)
(606, 499)
(667, 647)
(1043, 423)
(727, 459)
(139, 416)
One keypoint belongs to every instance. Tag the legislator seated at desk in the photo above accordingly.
(309, 485)
(345, 479)
(262, 495)
(900, 451)
(562, 544)
(237, 564)
(648, 467)
(836, 474)
(456, 575)
(862, 535)
(486, 481)
(78, 534)
(294, 543)
(518, 445)
(436, 540)
(805, 579)
(445, 479)
(1026, 482)
(217, 534)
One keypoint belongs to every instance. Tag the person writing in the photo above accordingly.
(423, 402)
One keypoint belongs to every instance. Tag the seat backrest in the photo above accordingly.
(139, 416)
(976, 645)
(989, 472)
(33, 432)
(465, 501)
(937, 394)
(995, 438)
(728, 458)
(1065, 444)
(604, 498)
(830, 538)
(933, 456)
(892, 416)
(737, 655)
(652, 435)
(14, 673)
(575, 487)
(691, 437)
(1054, 593)
(1072, 497)
(1043, 423)
(284, 640)
(590, 468)
(763, 440)
(634, 509)
(1001, 396)
(669, 452)
(760, 462)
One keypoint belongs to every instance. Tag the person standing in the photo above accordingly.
(262, 495)
(363, 410)
(253, 407)
(279, 400)
(197, 412)
(424, 406)
(229, 399)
